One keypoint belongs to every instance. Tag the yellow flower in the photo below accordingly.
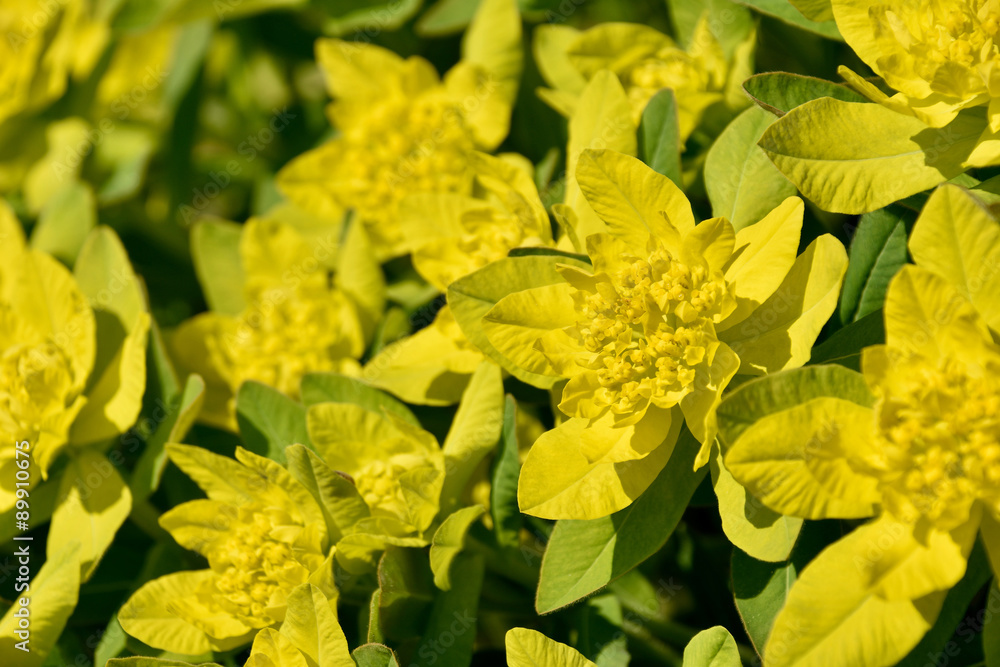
(397, 469)
(645, 61)
(44, 43)
(405, 479)
(404, 130)
(652, 332)
(920, 452)
(940, 55)
(450, 236)
(53, 392)
(263, 535)
(294, 314)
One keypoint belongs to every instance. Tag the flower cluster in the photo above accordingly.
(375, 333)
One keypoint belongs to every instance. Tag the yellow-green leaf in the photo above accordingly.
(714, 647)
(530, 648)
(449, 540)
(51, 598)
(93, 503)
(855, 158)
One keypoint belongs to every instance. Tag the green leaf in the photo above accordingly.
(394, 325)
(584, 556)
(140, 661)
(991, 631)
(548, 252)
(760, 588)
(451, 628)
(269, 421)
(446, 17)
(215, 250)
(54, 591)
(339, 500)
(878, 251)
(376, 635)
(474, 432)
(475, 294)
(407, 589)
(785, 11)
(780, 92)
(659, 137)
(448, 542)
(855, 158)
(374, 655)
(65, 221)
(503, 482)
(714, 647)
(743, 186)
(356, 16)
(175, 419)
(845, 345)
(111, 644)
(333, 388)
(953, 614)
(601, 636)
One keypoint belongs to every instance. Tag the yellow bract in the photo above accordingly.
(403, 130)
(396, 466)
(44, 43)
(297, 317)
(654, 333)
(451, 236)
(645, 61)
(263, 535)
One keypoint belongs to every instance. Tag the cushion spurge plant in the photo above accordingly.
(402, 128)
(913, 442)
(263, 535)
(650, 332)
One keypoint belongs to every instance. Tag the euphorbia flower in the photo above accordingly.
(645, 61)
(292, 314)
(914, 442)
(42, 46)
(919, 450)
(943, 59)
(652, 332)
(263, 535)
(402, 129)
(449, 236)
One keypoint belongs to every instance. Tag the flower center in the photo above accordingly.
(35, 385)
(403, 146)
(648, 327)
(283, 336)
(939, 442)
(489, 236)
(253, 566)
(941, 33)
(378, 485)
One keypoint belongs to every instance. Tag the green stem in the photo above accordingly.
(640, 639)
(146, 518)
